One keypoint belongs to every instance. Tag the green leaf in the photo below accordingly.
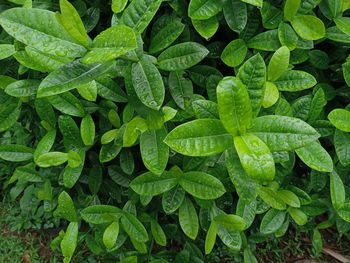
(249, 256)
(74, 159)
(205, 109)
(255, 157)
(110, 234)
(295, 80)
(70, 76)
(282, 133)
(66, 208)
(272, 221)
(340, 118)
(342, 147)
(139, 14)
(172, 199)
(132, 131)
(154, 152)
(158, 233)
(6, 50)
(210, 237)
(67, 103)
(15, 153)
(234, 105)
(109, 151)
(308, 27)
(234, 53)
(71, 21)
(278, 64)
(271, 16)
(164, 32)
(271, 198)
(87, 130)
(70, 132)
(290, 9)
(246, 211)
(231, 222)
(343, 23)
(206, 28)
(267, 41)
(253, 75)
(271, 95)
(134, 228)
(202, 185)
(188, 219)
(110, 44)
(298, 216)
(245, 186)
(69, 241)
(180, 88)
(150, 184)
(182, 56)
(51, 159)
(148, 84)
(39, 29)
(316, 157)
(235, 12)
(199, 138)
(232, 239)
(317, 104)
(203, 9)
(287, 36)
(22, 88)
(101, 214)
(344, 212)
(337, 190)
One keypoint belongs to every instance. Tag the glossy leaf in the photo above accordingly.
(15, 153)
(188, 219)
(234, 53)
(203, 9)
(87, 130)
(278, 64)
(340, 118)
(308, 27)
(295, 80)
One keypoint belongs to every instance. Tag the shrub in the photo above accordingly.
(176, 124)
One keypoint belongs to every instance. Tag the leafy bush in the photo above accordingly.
(176, 124)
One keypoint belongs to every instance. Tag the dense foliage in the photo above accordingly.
(155, 131)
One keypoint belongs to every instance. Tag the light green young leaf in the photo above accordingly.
(342, 147)
(150, 184)
(118, 5)
(71, 21)
(110, 234)
(52, 159)
(45, 144)
(69, 241)
(234, 53)
(255, 157)
(133, 227)
(271, 198)
(267, 41)
(249, 256)
(231, 222)
(101, 214)
(309, 27)
(6, 50)
(39, 29)
(282, 133)
(295, 80)
(287, 36)
(148, 84)
(74, 159)
(298, 215)
(202, 185)
(132, 131)
(271, 95)
(253, 75)
(278, 64)
(316, 157)
(203, 137)
(188, 219)
(234, 105)
(340, 118)
(257, 3)
(182, 56)
(210, 237)
(289, 198)
(203, 9)
(88, 91)
(71, 76)
(154, 152)
(317, 104)
(110, 44)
